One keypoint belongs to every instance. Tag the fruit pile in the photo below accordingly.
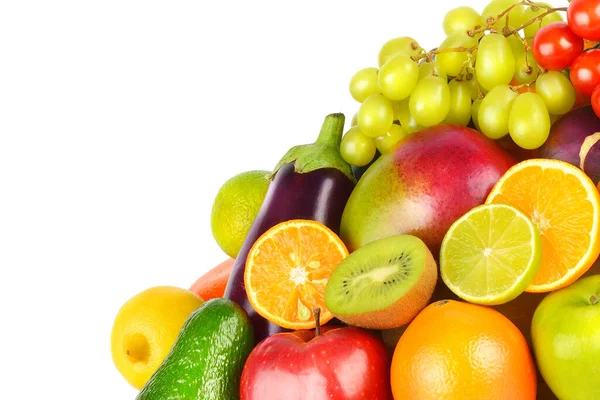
(445, 246)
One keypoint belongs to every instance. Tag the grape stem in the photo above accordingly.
(464, 68)
(527, 86)
(527, 48)
(428, 56)
(509, 32)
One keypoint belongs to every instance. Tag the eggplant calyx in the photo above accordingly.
(324, 153)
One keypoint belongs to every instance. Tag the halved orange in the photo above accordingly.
(564, 204)
(287, 270)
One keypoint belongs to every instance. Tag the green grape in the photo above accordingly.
(354, 119)
(375, 116)
(495, 63)
(516, 44)
(473, 88)
(427, 68)
(460, 103)
(494, 9)
(398, 77)
(557, 91)
(494, 110)
(475, 113)
(529, 121)
(396, 105)
(400, 45)
(462, 19)
(385, 144)
(453, 63)
(516, 16)
(356, 148)
(533, 12)
(429, 103)
(402, 114)
(526, 68)
(364, 84)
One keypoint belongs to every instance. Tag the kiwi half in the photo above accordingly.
(384, 284)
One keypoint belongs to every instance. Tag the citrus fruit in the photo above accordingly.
(456, 350)
(287, 270)
(146, 327)
(491, 254)
(564, 204)
(235, 207)
(213, 283)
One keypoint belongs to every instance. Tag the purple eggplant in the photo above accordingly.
(310, 182)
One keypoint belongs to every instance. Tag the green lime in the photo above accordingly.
(235, 208)
(491, 254)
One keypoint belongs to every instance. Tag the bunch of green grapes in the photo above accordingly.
(482, 74)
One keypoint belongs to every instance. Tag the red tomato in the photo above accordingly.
(555, 46)
(584, 18)
(585, 72)
(581, 100)
(596, 100)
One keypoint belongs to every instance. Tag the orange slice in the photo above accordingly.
(287, 270)
(565, 206)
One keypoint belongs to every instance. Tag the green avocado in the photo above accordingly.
(207, 359)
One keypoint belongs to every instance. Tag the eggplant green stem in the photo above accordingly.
(324, 153)
(329, 135)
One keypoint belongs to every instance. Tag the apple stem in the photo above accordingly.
(317, 313)
(594, 300)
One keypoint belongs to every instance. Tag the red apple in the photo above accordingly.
(340, 363)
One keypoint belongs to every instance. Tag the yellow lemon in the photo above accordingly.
(236, 206)
(146, 327)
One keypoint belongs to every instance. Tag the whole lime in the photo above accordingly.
(235, 208)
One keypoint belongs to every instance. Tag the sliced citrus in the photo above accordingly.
(564, 204)
(491, 254)
(287, 270)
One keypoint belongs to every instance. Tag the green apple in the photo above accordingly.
(565, 332)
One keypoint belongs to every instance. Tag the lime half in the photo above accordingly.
(491, 254)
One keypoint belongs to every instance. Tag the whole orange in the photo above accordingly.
(456, 350)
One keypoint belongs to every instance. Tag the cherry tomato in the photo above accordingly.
(555, 46)
(585, 72)
(596, 100)
(580, 101)
(584, 18)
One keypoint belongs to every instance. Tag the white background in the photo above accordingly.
(119, 121)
